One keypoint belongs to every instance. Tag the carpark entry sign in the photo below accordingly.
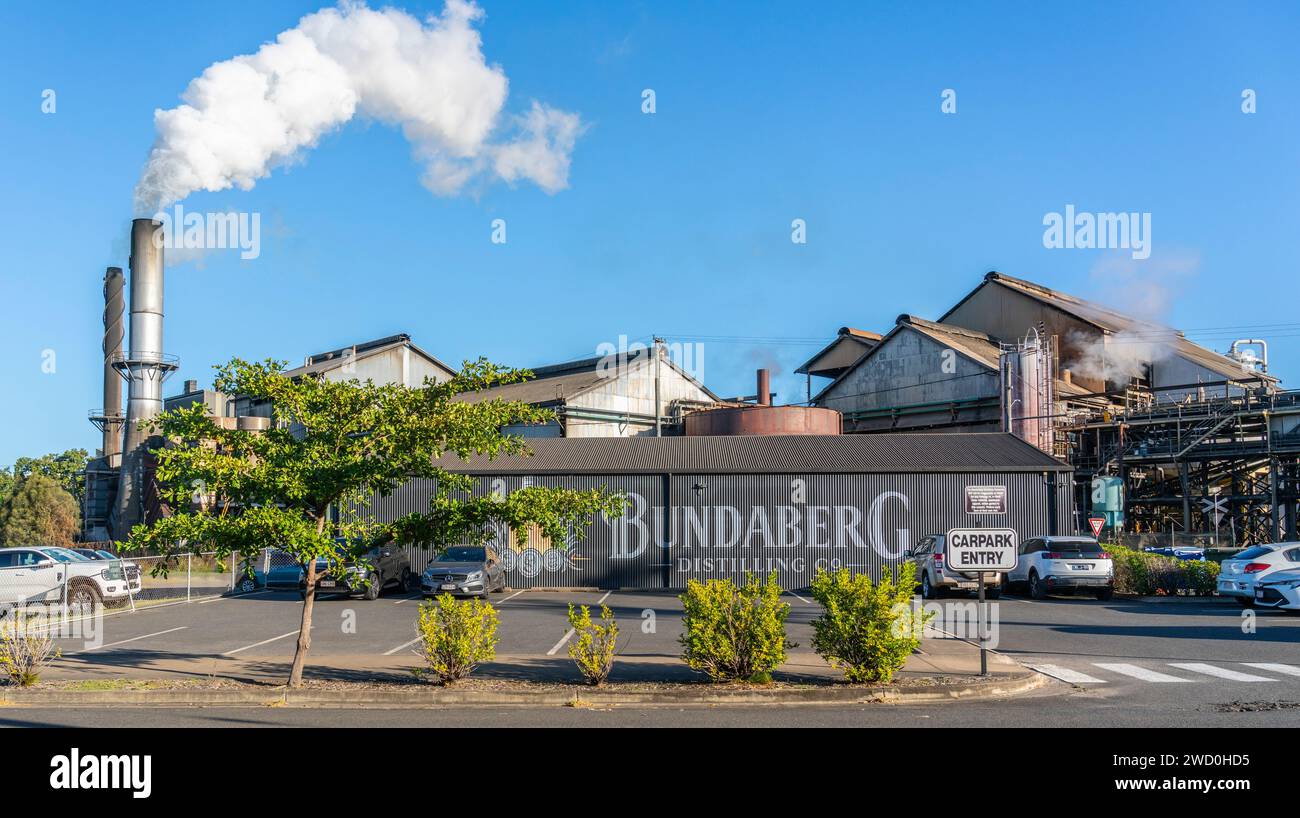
(977, 550)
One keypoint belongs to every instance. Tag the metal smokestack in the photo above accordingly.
(145, 367)
(764, 388)
(114, 307)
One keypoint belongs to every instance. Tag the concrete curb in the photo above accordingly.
(1009, 685)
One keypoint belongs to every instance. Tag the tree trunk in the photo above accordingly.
(304, 627)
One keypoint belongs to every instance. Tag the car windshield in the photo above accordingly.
(64, 555)
(108, 555)
(1252, 553)
(463, 554)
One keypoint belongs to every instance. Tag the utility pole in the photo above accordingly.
(658, 406)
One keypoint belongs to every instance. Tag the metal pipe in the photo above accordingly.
(764, 388)
(145, 368)
(114, 306)
(1263, 350)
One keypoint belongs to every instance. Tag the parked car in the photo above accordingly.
(1280, 589)
(40, 575)
(382, 566)
(1053, 565)
(464, 570)
(131, 570)
(936, 578)
(1239, 575)
(1178, 552)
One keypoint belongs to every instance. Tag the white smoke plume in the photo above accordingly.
(245, 116)
(1123, 355)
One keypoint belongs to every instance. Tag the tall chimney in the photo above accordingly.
(114, 306)
(764, 388)
(145, 367)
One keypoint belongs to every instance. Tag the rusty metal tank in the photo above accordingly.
(762, 418)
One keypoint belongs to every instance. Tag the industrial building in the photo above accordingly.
(610, 396)
(1171, 441)
(724, 506)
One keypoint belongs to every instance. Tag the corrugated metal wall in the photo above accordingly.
(729, 525)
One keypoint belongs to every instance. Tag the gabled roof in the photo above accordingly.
(861, 339)
(971, 344)
(558, 383)
(772, 454)
(1112, 321)
(333, 359)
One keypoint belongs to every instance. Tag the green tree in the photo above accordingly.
(66, 469)
(334, 446)
(39, 512)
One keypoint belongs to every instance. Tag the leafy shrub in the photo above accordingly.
(593, 645)
(1147, 574)
(456, 636)
(868, 629)
(734, 633)
(24, 652)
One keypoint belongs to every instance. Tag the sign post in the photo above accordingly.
(980, 551)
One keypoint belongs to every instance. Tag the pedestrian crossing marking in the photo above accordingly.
(1221, 672)
(1067, 675)
(1139, 672)
(1275, 667)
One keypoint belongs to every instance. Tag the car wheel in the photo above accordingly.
(1246, 601)
(927, 590)
(375, 586)
(993, 592)
(406, 580)
(1036, 589)
(84, 596)
(247, 585)
(1105, 594)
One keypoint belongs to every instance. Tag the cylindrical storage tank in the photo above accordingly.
(249, 423)
(764, 420)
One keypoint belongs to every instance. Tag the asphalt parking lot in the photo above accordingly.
(381, 634)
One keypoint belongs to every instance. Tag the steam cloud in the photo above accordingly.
(1123, 355)
(247, 115)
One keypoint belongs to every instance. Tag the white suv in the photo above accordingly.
(1239, 575)
(1049, 565)
(40, 574)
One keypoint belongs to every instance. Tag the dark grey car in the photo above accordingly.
(464, 570)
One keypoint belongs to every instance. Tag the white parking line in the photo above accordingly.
(233, 596)
(512, 596)
(1138, 672)
(569, 633)
(132, 639)
(263, 642)
(801, 599)
(401, 647)
(1289, 670)
(1222, 673)
(1067, 675)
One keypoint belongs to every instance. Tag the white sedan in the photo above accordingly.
(1280, 589)
(1239, 576)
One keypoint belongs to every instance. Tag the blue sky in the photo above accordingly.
(677, 222)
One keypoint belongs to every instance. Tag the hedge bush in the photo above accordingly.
(1146, 574)
(456, 635)
(734, 633)
(868, 629)
(592, 648)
